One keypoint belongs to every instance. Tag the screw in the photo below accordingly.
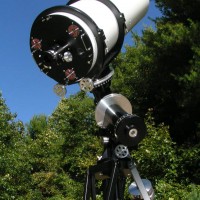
(133, 133)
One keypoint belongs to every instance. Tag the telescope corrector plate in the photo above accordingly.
(86, 29)
(108, 101)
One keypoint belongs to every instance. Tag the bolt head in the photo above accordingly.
(68, 56)
(133, 132)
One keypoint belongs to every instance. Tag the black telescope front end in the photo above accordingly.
(80, 39)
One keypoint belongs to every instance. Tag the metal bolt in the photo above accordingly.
(68, 56)
(133, 133)
(86, 84)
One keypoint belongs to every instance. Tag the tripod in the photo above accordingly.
(116, 164)
(113, 170)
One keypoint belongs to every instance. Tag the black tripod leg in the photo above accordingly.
(89, 186)
(111, 190)
(121, 187)
(93, 187)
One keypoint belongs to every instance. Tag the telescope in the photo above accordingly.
(75, 43)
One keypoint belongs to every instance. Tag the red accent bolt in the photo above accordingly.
(73, 30)
(70, 74)
(36, 44)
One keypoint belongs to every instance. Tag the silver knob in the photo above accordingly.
(86, 84)
(68, 56)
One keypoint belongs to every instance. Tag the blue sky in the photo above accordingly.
(27, 91)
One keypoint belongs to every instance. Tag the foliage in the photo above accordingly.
(189, 162)
(161, 71)
(52, 165)
(14, 168)
(156, 155)
(74, 120)
(179, 10)
(63, 150)
(57, 186)
(159, 157)
(173, 170)
(48, 158)
(36, 125)
(45, 152)
(48, 178)
(176, 191)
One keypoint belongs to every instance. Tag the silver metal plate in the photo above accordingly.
(135, 192)
(106, 102)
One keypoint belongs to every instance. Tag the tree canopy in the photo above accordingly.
(52, 165)
(161, 71)
(160, 74)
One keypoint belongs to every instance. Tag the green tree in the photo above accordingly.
(32, 168)
(180, 10)
(36, 125)
(48, 178)
(74, 120)
(14, 166)
(161, 71)
(174, 171)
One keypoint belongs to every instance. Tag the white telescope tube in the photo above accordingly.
(103, 17)
(133, 10)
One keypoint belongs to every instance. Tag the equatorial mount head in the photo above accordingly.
(115, 111)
